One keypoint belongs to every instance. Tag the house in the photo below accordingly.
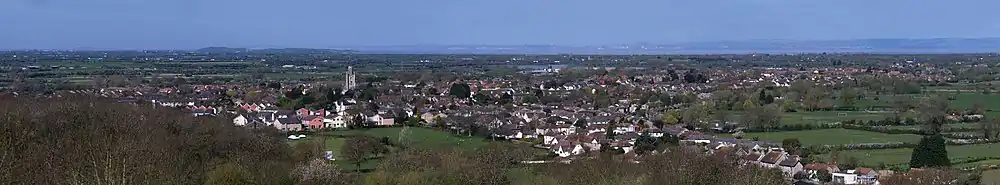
(771, 159)
(624, 146)
(814, 168)
(386, 121)
(752, 158)
(653, 132)
(624, 128)
(550, 140)
(373, 117)
(631, 137)
(599, 120)
(790, 165)
(313, 122)
(337, 121)
(240, 120)
(256, 123)
(282, 114)
(288, 124)
(845, 178)
(203, 111)
(596, 128)
(867, 175)
(567, 149)
(303, 112)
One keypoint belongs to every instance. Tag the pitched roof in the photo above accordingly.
(790, 161)
(309, 118)
(771, 158)
(864, 170)
(290, 120)
(752, 156)
(820, 166)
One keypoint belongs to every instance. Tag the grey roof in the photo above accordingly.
(290, 120)
(790, 161)
(285, 112)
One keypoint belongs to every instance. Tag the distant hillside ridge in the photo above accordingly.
(937, 45)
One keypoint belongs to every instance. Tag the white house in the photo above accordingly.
(240, 120)
(845, 178)
(338, 121)
(565, 150)
(621, 129)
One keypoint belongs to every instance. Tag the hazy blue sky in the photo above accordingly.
(183, 24)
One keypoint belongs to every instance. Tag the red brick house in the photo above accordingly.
(313, 122)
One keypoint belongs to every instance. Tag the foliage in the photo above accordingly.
(645, 143)
(764, 117)
(929, 176)
(460, 90)
(671, 117)
(930, 152)
(359, 148)
(824, 176)
(792, 145)
(991, 128)
(229, 174)
(318, 172)
(493, 164)
(63, 138)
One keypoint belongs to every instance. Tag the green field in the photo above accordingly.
(416, 137)
(822, 117)
(825, 117)
(957, 125)
(902, 155)
(834, 137)
(991, 177)
(961, 100)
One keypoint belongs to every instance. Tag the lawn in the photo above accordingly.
(902, 155)
(956, 125)
(991, 177)
(416, 137)
(824, 117)
(834, 137)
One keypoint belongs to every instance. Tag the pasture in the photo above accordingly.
(833, 137)
(901, 156)
(991, 177)
(412, 137)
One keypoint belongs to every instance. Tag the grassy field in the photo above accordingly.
(957, 125)
(961, 100)
(833, 137)
(824, 117)
(415, 137)
(902, 155)
(991, 177)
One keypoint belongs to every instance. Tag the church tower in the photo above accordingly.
(350, 79)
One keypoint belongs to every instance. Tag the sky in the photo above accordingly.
(190, 24)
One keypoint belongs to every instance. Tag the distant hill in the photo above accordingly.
(941, 45)
(272, 50)
(221, 50)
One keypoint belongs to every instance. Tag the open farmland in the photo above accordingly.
(991, 177)
(834, 137)
(901, 156)
(825, 117)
